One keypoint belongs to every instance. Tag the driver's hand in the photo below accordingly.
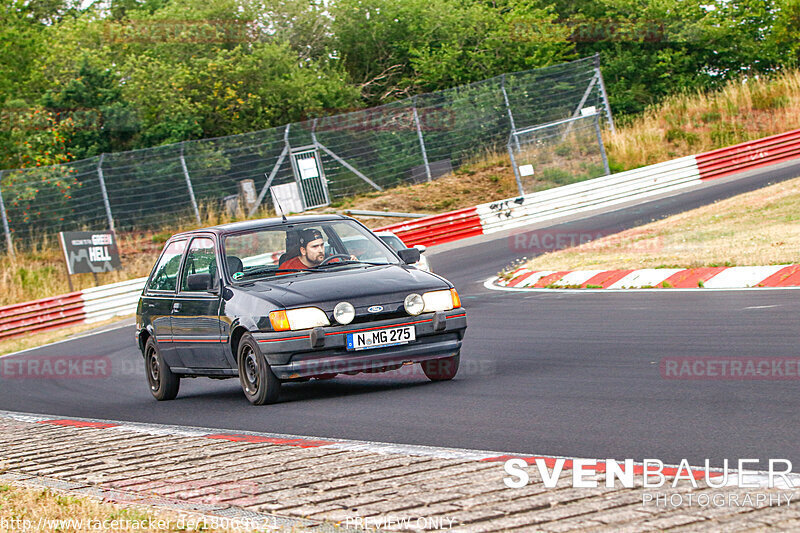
(353, 258)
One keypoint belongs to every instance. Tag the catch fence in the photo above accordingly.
(327, 158)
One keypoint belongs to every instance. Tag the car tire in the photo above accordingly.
(442, 369)
(259, 383)
(164, 385)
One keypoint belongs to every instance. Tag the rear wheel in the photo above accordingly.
(259, 384)
(441, 369)
(164, 384)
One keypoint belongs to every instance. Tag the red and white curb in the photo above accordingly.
(748, 277)
(760, 479)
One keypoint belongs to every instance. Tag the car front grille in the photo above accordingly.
(362, 318)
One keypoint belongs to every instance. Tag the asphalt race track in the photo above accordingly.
(572, 374)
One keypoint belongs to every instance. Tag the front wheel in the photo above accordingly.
(259, 384)
(164, 384)
(441, 369)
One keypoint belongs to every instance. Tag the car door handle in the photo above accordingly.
(176, 306)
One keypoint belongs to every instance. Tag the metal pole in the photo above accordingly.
(274, 172)
(577, 112)
(105, 192)
(349, 167)
(508, 109)
(586, 94)
(600, 142)
(421, 141)
(516, 170)
(603, 92)
(189, 186)
(9, 246)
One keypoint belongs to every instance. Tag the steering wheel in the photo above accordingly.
(335, 256)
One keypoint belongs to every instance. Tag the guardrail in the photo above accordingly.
(602, 192)
(81, 307)
(749, 155)
(438, 229)
(117, 299)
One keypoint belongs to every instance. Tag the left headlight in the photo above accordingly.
(441, 301)
(302, 318)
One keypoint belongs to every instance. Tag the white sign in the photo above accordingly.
(286, 198)
(308, 167)
(588, 111)
(526, 170)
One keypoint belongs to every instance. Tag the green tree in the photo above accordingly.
(102, 121)
(395, 49)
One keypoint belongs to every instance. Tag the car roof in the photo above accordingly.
(235, 227)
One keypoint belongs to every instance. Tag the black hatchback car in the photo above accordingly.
(292, 299)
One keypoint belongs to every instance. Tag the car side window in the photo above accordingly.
(165, 275)
(200, 259)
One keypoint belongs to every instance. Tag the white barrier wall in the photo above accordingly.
(587, 195)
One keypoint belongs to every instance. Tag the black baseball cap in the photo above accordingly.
(308, 235)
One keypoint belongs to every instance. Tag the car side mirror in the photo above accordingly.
(199, 282)
(421, 248)
(409, 255)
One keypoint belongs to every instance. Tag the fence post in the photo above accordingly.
(421, 140)
(508, 108)
(105, 192)
(516, 170)
(274, 172)
(189, 186)
(5, 219)
(603, 92)
(600, 142)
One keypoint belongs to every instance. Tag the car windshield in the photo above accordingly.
(303, 248)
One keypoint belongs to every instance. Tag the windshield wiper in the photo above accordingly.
(351, 262)
(266, 270)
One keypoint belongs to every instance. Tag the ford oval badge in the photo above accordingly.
(375, 309)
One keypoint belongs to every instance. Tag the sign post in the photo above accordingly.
(89, 251)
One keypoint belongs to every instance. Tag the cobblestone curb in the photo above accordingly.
(319, 484)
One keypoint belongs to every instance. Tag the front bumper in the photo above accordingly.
(297, 354)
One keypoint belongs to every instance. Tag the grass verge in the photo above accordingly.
(25, 509)
(760, 227)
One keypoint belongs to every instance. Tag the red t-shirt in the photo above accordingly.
(294, 262)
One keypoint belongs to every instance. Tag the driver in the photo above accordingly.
(312, 251)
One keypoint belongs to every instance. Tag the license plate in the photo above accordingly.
(380, 338)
